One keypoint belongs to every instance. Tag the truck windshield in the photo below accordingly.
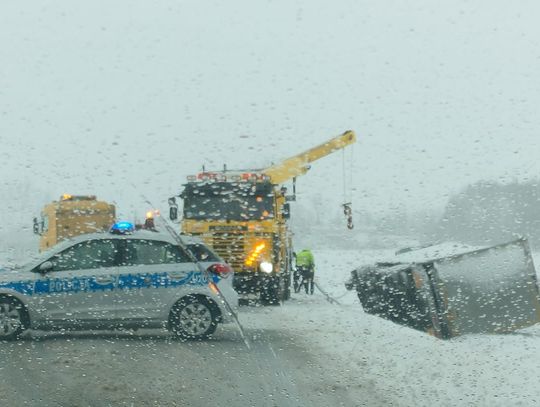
(229, 201)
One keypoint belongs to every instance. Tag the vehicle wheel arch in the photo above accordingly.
(26, 312)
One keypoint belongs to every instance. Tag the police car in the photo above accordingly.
(122, 279)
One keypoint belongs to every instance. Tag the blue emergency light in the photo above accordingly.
(122, 228)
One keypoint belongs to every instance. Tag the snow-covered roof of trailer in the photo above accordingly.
(433, 252)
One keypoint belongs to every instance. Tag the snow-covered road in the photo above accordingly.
(152, 369)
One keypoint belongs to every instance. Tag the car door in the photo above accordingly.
(152, 274)
(79, 289)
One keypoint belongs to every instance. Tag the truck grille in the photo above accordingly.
(230, 246)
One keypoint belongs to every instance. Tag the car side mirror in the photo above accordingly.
(46, 267)
(36, 226)
(286, 211)
(173, 209)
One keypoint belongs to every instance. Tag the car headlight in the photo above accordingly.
(266, 267)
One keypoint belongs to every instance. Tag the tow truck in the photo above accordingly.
(243, 216)
(70, 216)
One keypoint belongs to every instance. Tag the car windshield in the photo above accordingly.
(269, 203)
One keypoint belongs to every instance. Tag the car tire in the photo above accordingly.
(193, 318)
(12, 319)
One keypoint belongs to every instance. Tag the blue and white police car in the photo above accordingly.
(122, 279)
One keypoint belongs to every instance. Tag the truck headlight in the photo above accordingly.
(266, 267)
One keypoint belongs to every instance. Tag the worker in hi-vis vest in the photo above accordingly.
(305, 267)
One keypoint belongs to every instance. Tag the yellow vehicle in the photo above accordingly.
(243, 216)
(72, 215)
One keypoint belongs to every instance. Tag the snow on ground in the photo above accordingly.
(406, 366)
(366, 354)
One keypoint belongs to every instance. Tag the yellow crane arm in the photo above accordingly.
(299, 164)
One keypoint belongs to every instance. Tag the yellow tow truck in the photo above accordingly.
(70, 216)
(243, 216)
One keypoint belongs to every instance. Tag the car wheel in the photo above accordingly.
(11, 319)
(193, 318)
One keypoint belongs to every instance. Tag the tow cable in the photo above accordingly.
(328, 297)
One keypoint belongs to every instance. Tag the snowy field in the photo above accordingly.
(408, 367)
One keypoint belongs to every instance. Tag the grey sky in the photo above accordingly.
(97, 96)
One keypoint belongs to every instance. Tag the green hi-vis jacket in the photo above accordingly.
(305, 259)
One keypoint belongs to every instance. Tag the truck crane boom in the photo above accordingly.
(299, 164)
(244, 216)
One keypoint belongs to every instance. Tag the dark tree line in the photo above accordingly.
(491, 212)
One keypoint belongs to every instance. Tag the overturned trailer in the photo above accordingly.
(489, 290)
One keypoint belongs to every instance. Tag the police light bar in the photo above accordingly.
(122, 228)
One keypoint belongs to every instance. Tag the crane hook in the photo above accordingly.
(347, 211)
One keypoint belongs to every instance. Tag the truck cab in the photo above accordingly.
(241, 216)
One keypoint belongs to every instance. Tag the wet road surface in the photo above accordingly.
(151, 368)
